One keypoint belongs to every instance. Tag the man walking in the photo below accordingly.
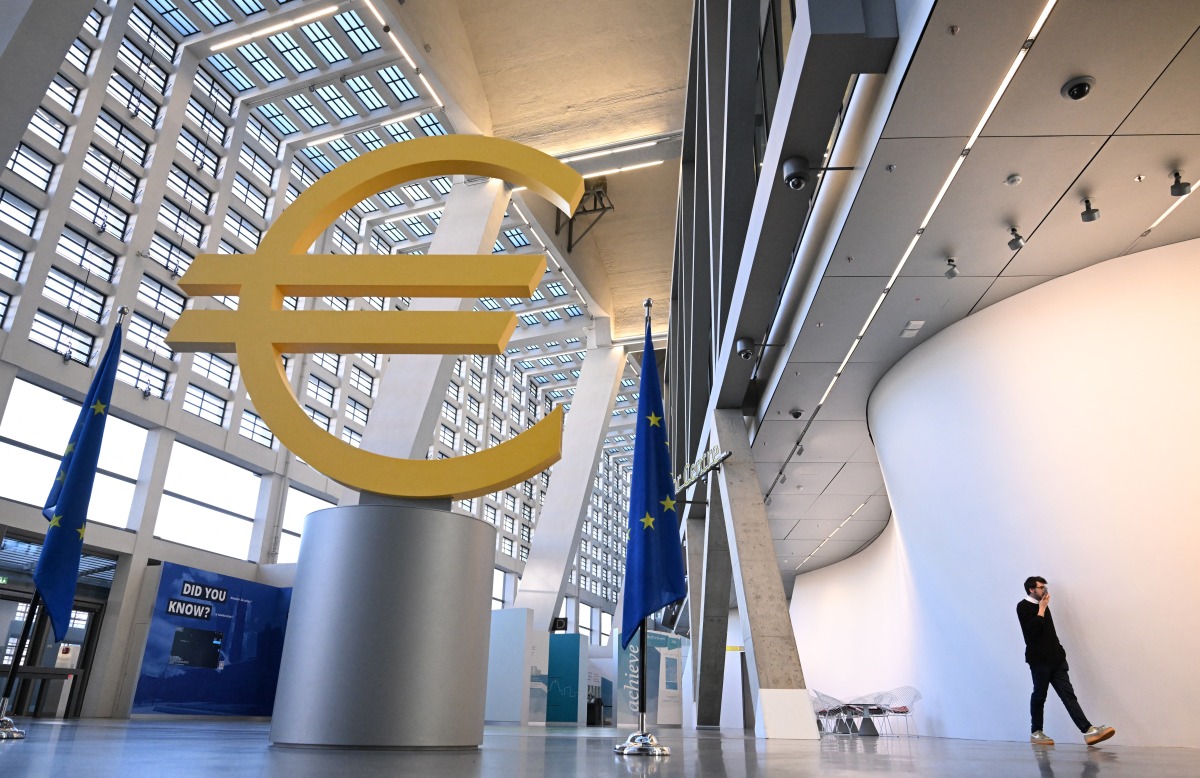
(1047, 661)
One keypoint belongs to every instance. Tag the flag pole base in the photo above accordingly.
(641, 744)
(9, 731)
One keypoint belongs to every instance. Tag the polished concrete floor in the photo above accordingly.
(101, 748)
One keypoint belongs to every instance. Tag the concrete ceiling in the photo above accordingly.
(1118, 147)
(571, 77)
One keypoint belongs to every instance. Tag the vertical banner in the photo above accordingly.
(664, 668)
(214, 645)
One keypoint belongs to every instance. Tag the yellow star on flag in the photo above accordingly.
(654, 419)
(61, 475)
(70, 448)
(647, 521)
(98, 408)
(80, 530)
(667, 504)
(56, 521)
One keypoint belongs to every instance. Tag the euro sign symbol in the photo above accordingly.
(260, 330)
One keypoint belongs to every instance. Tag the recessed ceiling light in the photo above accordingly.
(1013, 180)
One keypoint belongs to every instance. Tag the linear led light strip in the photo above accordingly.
(404, 53)
(274, 28)
(606, 152)
(937, 200)
(1178, 202)
(830, 537)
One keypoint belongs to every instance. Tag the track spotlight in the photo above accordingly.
(745, 348)
(1017, 241)
(951, 268)
(767, 501)
(783, 478)
(1180, 187)
(1089, 214)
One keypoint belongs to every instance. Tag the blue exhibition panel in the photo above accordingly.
(213, 646)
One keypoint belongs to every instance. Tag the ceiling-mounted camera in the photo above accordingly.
(1078, 88)
(796, 172)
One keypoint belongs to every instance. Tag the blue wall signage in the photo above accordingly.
(214, 645)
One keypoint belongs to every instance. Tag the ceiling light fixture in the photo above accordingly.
(958, 163)
(274, 28)
(951, 268)
(1180, 188)
(1089, 214)
(606, 152)
(622, 169)
(429, 88)
(1017, 242)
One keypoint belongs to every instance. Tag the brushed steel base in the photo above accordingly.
(641, 744)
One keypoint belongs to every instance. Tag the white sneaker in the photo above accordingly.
(1098, 734)
(1040, 738)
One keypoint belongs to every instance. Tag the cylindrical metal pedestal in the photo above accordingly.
(387, 639)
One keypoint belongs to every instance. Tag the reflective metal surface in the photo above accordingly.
(387, 638)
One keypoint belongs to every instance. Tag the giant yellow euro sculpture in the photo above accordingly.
(260, 330)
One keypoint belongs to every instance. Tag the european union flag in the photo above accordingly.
(654, 559)
(67, 506)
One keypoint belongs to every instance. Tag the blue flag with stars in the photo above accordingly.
(654, 558)
(67, 506)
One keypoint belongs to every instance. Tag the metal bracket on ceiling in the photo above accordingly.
(595, 204)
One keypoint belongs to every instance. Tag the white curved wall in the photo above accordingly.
(1053, 434)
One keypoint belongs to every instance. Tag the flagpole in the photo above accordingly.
(8, 730)
(642, 743)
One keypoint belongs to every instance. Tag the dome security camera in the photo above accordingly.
(1078, 88)
(745, 348)
(795, 413)
(795, 172)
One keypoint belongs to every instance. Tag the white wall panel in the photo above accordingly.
(1051, 434)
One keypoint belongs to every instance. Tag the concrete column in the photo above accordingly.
(34, 38)
(268, 518)
(694, 520)
(557, 538)
(411, 386)
(713, 621)
(781, 705)
(110, 692)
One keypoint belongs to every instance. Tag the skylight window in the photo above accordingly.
(415, 192)
(249, 7)
(308, 112)
(417, 226)
(261, 63)
(369, 139)
(358, 33)
(343, 149)
(287, 47)
(390, 198)
(491, 304)
(214, 13)
(173, 16)
(366, 93)
(429, 123)
(441, 184)
(556, 288)
(324, 42)
(336, 101)
(396, 82)
(231, 72)
(398, 131)
(392, 232)
(272, 114)
(317, 158)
